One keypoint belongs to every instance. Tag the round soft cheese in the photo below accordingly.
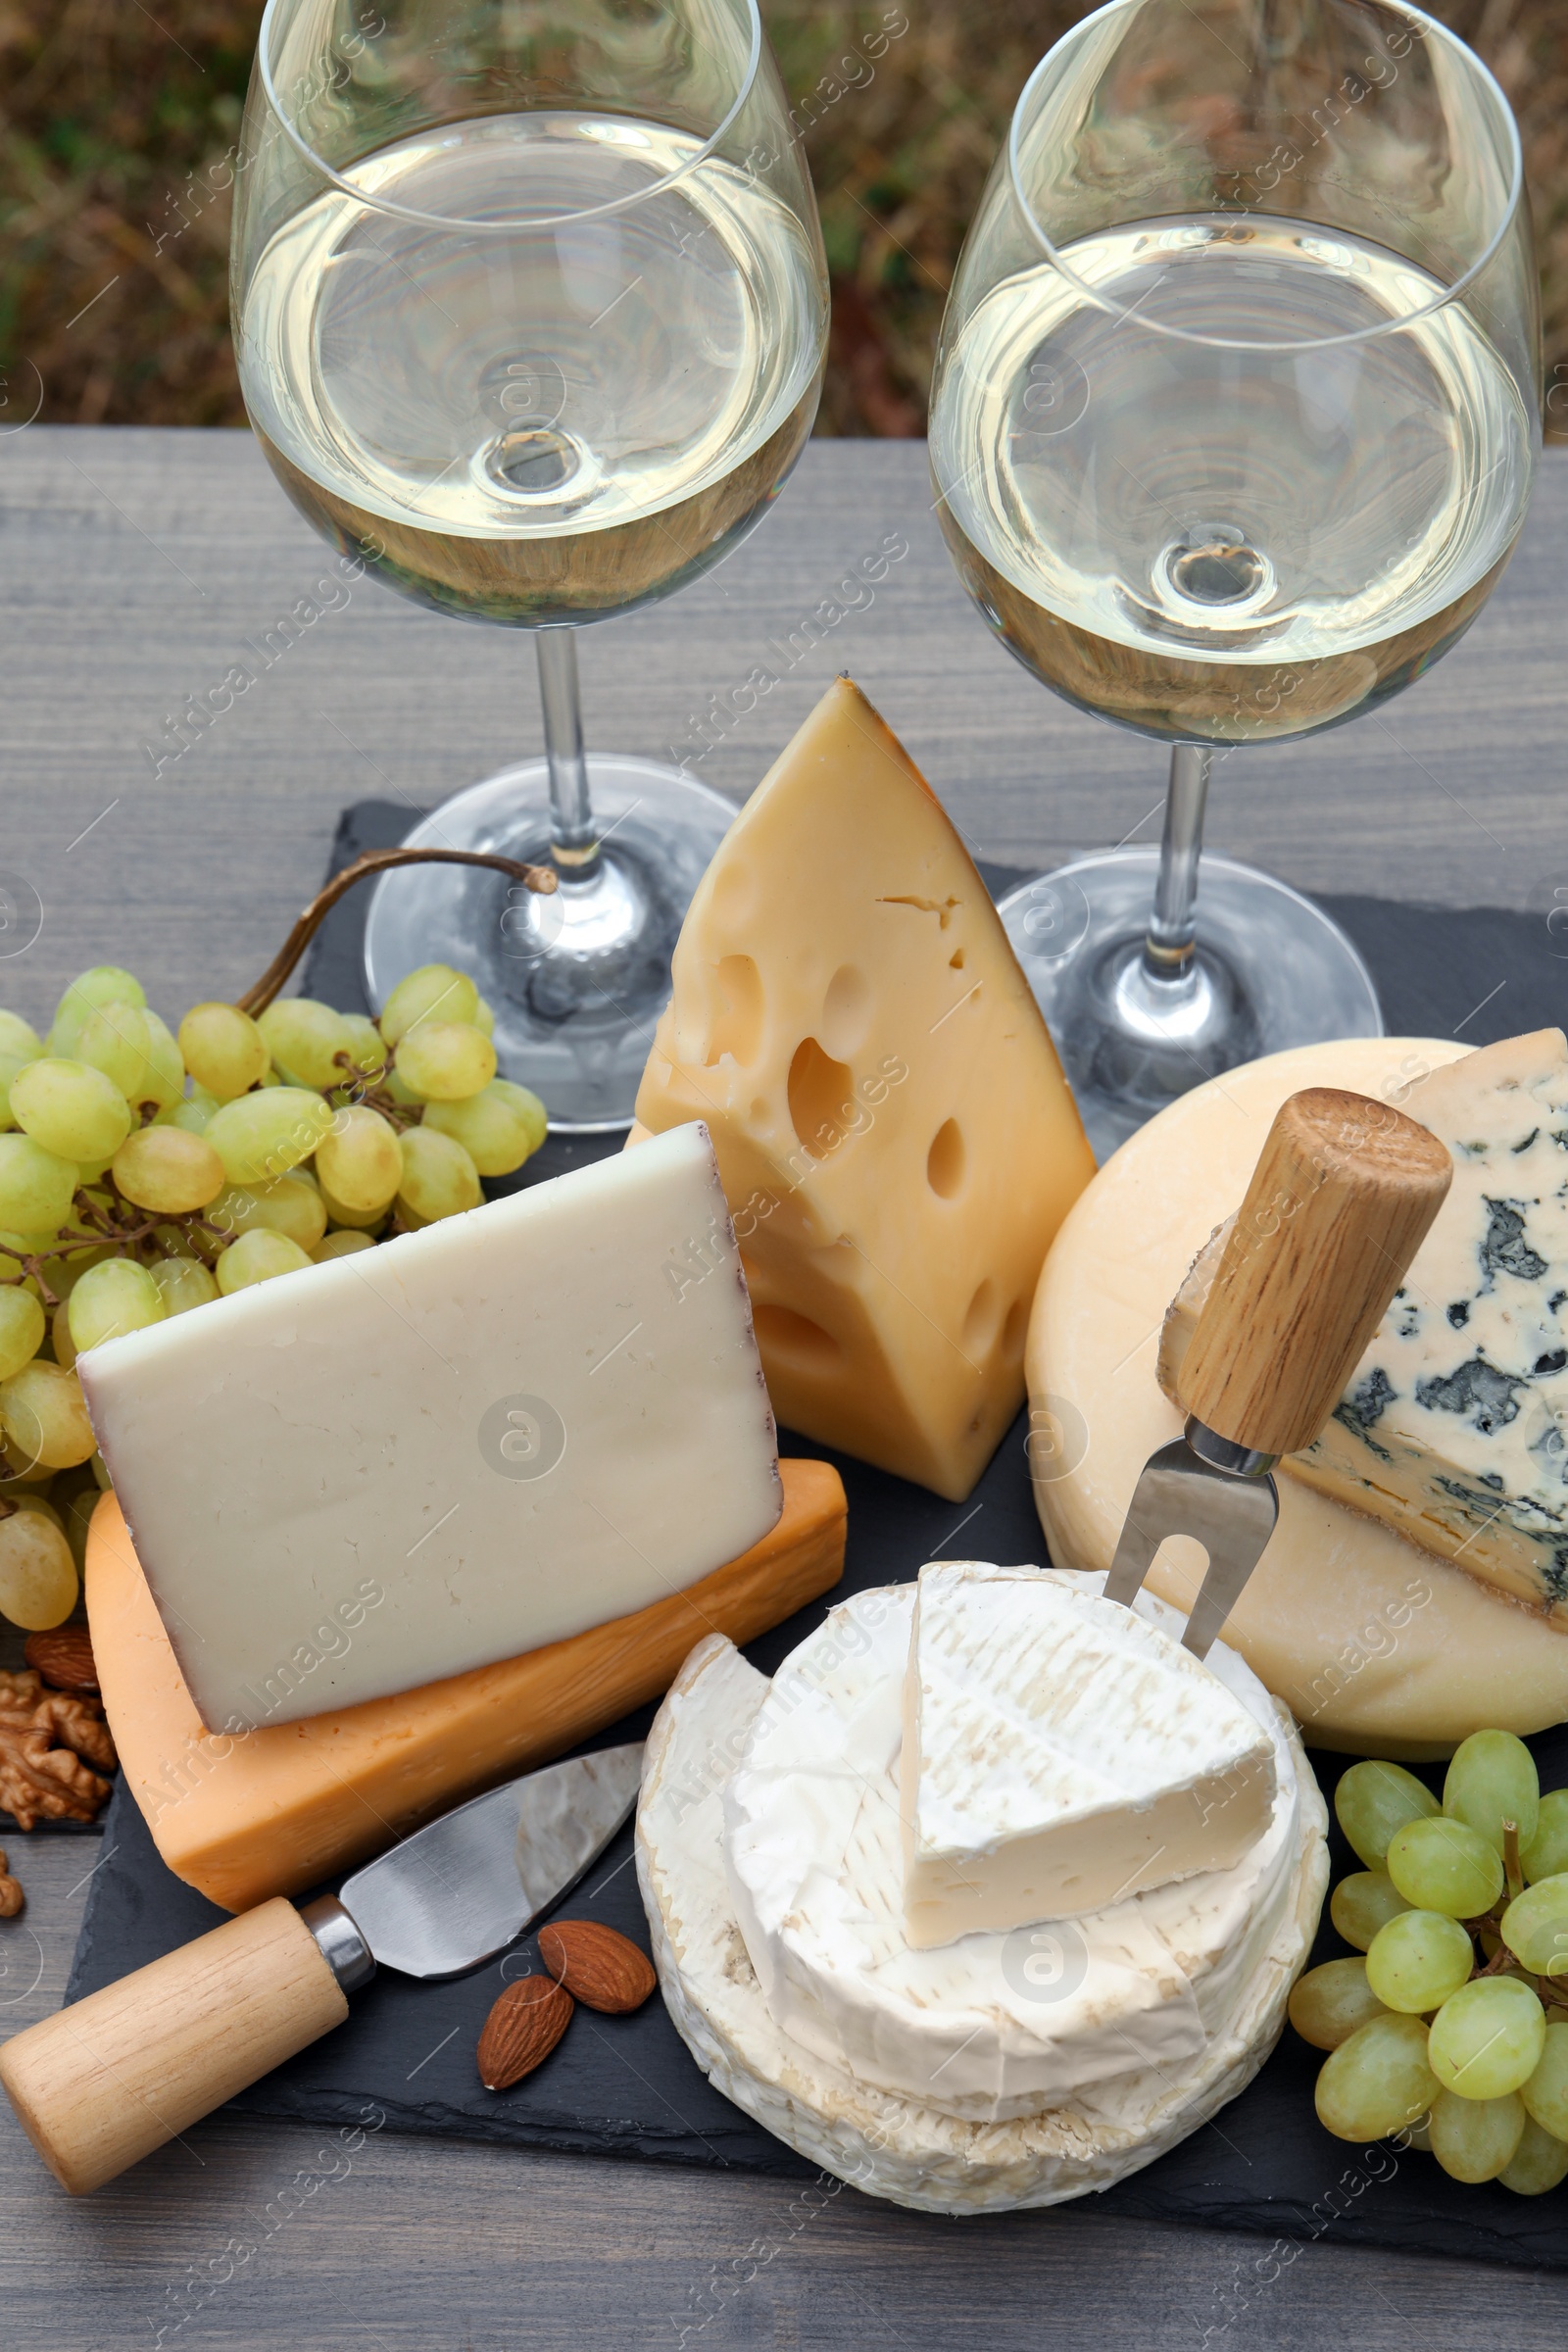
(897, 2144)
(1378, 1647)
(815, 1855)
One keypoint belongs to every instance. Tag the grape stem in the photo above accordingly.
(1510, 1859)
(541, 878)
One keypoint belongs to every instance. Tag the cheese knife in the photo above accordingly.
(1343, 1196)
(103, 2083)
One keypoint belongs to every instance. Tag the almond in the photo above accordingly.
(599, 1967)
(64, 1657)
(521, 2029)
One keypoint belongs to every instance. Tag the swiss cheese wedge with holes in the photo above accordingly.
(895, 1136)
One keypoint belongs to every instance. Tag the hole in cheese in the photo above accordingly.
(1014, 1328)
(944, 1162)
(822, 1104)
(955, 960)
(981, 1318)
(737, 1027)
(807, 1346)
(846, 1011)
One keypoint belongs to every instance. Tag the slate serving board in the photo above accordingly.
(627, 2085)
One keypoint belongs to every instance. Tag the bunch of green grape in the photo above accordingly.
(1452, 2030)
(145, 1172)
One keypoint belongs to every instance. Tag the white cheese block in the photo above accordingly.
(815, 1855)
(894, 2144)
(1060, 1753)
(479, 1438)
(1381, 1648)
(897, 1139)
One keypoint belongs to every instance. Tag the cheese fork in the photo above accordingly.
(1343, 1196)
(103, 2083)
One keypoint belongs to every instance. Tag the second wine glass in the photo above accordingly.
(1233, 430)
(530, 310)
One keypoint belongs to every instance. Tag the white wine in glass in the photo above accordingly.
(1234, 429)
(532, 311)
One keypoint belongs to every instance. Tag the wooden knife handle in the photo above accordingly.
(1342, 1197)
(101, 2083)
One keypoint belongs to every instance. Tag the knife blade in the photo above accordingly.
(1343, 1196)
(101, 2083)
(459, 1890)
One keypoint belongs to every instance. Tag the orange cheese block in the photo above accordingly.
(278, 1809)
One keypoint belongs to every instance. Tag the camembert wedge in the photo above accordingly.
(1061, 1755)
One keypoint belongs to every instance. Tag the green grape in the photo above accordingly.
(494, 1132)
(1535, 1926)
(223, 1049)
(183, 1283)
(102, 984)
(485, 1019)
(528, 1108)
(439, 1179)
(164, 1082)
(21, 1329)
(1443, 1865)
(1418, 1960)
(346, 1243)
(45, 1418)
(72, 1109)
(60, 1338)
(65, 1272)
(1539, 2162)
(290, 1207)
(1362, 1903)
(38, 1582)
(1329, 2003)
(193, 1114)
(446, 1061)
(1475, 2139)
(1378, 2081)
(1373, 1800)
(166, 1171)
(1487, 2039)
(1492, 1779)
(18, 1039)
(255, 1258)
(353, 1220)
(116, 1040)
(12, 1066)
(112, 1298)
(36, 1186)
(105, 984)
(367, 1048)
(1545, 2095)
(1548, 1851)
(359, 1163)
(262, 1136)
(434, 993)
(100, 1471)
(305, 1038)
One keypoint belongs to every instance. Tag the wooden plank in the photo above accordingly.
(134, 568)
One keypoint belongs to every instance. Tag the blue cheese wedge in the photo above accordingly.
(1061, 1755)
(1455, 1426)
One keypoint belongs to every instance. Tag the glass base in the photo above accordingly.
(1270, 971)
(577, 980)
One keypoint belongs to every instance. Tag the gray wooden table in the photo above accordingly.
(135, 570)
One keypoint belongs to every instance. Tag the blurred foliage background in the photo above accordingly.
(115, 124)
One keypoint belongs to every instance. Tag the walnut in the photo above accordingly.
(43, 1736)
(12, 1897)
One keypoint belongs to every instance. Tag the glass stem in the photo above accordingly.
(574, 834)
(1170, 945)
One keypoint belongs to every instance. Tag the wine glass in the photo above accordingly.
(1232, 431)
(530, 310)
